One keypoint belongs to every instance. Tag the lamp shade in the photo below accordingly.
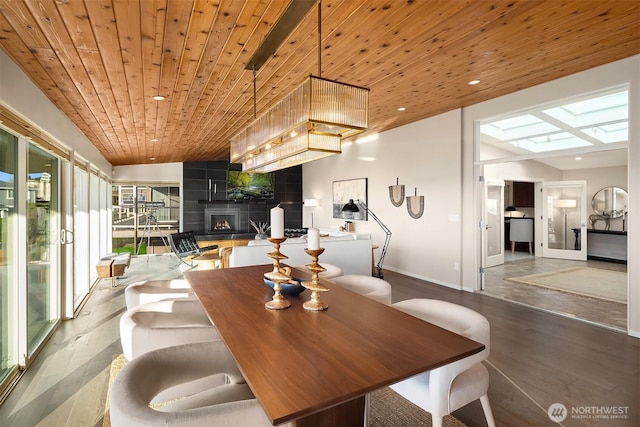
(308, 124)
(565, 203)
(311, 203)
(350, 207)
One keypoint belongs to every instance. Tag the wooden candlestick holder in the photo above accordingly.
(277, 276)
(314, 303)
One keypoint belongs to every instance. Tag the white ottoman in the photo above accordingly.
(162, 324)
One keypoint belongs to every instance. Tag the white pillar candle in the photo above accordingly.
(277, 223)
(313, 239)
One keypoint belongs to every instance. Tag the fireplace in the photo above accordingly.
(221, 221)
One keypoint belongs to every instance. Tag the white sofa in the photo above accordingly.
(352, 253)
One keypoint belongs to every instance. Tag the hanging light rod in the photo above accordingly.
(291, 17)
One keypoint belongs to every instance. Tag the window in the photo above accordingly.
(143, 217)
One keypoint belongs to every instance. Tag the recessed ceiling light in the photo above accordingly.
(154, 139)
(578, 158)
(474, 82)
(158, 98)
(402, 108)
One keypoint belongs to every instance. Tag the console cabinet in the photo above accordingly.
(607, 245)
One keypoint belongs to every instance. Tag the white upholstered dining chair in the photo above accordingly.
(450, 387)
(148, 291)
(330, 271)
(372, 287)
(162, 324)
(521, 230)
(176, 374)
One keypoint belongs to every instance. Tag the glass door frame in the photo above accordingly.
(493, 221)
(12, 340)
(575, 206)
(80, 236)
(44, 261)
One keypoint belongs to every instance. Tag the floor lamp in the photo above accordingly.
(353, 207)
(311, 203)
(564, 204)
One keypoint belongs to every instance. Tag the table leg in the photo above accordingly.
(348, 414)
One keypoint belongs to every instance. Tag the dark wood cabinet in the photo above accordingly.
(523, 194)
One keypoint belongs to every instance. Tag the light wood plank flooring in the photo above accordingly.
(537, 359)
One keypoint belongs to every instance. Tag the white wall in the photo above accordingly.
(526, 170)
(426, 155)
(22, 97)
(626, 71)
(152, 173)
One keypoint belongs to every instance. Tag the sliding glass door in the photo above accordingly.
(8, 268)
(43, 273)
(81, 236)
(44, 209)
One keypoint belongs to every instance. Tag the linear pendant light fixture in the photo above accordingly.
(307, 124)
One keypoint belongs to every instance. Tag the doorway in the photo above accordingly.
(581, 139)
(507, 280)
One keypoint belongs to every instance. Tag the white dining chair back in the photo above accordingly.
(452, 386)
(330, 271)
(165, 372)
(162, 324)
(148, 291)
(369, 286)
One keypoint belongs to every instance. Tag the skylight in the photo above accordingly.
(599, 120)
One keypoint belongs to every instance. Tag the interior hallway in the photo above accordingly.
(536, 359)
(604, 313)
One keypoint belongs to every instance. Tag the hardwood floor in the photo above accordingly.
(537, 359)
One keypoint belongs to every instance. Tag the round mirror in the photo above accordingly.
(610, 202)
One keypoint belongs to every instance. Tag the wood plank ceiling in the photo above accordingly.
(102, 61)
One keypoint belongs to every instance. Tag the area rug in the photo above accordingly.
(117, 363)
(585, 281)
(387, 408)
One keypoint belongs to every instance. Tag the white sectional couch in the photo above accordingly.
(348, 251)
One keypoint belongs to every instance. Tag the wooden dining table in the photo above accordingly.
(314, 368)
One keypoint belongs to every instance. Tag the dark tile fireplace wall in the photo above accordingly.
(196, 198)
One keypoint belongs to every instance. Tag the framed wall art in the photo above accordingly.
(350, 189)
